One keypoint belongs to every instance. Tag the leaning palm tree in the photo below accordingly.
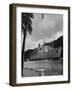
(26, 27)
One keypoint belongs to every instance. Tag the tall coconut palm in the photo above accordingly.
(26, 27)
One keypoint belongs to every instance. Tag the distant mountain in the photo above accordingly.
(56, 43)
(59, 43)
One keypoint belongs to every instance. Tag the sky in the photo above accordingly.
(45, 29)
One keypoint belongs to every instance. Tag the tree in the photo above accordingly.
(26, 27)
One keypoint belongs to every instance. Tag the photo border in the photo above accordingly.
(12, 63)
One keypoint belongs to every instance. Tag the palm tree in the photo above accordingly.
(26, 27)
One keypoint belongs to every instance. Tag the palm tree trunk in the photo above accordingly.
(22, 55)
(23, 47)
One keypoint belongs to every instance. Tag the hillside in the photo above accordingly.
(56, 43)
(27, 53)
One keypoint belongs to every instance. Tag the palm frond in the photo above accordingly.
(28, 15)
(29, 29)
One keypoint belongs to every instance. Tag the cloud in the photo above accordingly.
(47, 27)
(31, 44)
(51, 26)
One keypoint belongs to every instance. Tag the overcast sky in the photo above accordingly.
(47, 29)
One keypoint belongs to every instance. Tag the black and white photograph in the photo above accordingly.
(42, 44)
